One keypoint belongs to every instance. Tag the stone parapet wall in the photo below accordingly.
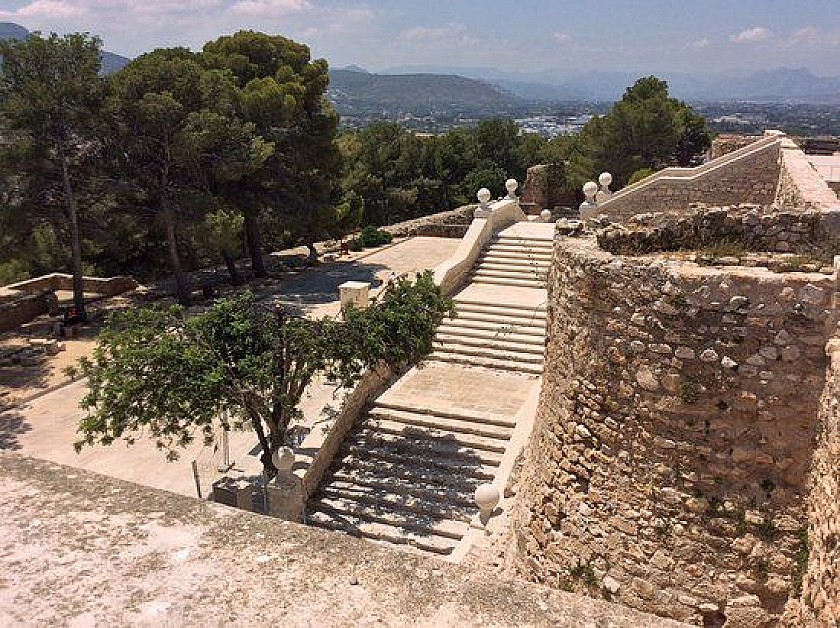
(726, 143)
(106, 286)
(747, 177)
(448, 224)
(669, 461)
(800, 185)
(754, 228)
(24, 308)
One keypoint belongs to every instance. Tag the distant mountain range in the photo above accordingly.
(354, 91)
(780, 85)
(111, 62)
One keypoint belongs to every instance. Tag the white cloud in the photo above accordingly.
(700, 44)
(46, 9)
(269, 9)
(754, 35)
(812, 37)
(447, 34)
(561, 38)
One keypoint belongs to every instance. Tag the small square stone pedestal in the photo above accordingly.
(355, 292)
(285, 497)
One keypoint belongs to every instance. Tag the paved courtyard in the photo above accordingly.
(46, 427)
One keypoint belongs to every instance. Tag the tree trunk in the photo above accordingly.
(181, 288)
(313, 252)
(75, 239)
(235, 277)
(252, 237)
(265, 444)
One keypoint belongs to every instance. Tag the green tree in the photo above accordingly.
(281, 92)
(51, 98)
(645, 129)
(161, 372)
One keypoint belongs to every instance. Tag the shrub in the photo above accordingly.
(371, 236)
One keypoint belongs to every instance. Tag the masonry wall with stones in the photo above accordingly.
(749, 227)
(800, 185)
(820, 602)
(448, 224)
(749, 179)
(668, 464)
(725, 143)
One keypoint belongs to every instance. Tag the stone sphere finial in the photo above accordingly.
(283, 459)
(545, 215)
(487, 497)
(483, 195)
(589, 190)
(605, 178)
(510, 186)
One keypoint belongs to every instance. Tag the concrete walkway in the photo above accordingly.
(46, 427)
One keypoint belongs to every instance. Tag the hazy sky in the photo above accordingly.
(642, 35)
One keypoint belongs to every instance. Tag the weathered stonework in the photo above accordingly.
(448, 224)
(749, 177)
(669, 461)
(755, 228)
(726, 143)
(820, 602)
(545, 187)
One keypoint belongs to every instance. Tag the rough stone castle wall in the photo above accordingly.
(820, 602)
(668, 464)
(810, 232)
(749, 179)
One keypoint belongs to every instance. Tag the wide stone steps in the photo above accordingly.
(499, 339)
(505, 363)
(430, 468)
(508, 281)
(474, 417)
(402, 506)
(415, 445)
(462, 439)
(531, 313)
(412, 479)
(479, 327)
(500, 255)
(407, 473)
(465, 426)
(380, 525)
(523, 266)
(373, 479)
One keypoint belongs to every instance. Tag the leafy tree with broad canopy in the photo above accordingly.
(645, 129)
(172, 376)
(50, 99)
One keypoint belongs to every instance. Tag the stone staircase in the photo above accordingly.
(407, 472)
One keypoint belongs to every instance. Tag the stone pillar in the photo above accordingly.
(589, 208)
(285, 497)
(355, 292)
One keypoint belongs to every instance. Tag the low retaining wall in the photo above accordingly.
(448, 224)
(24, 308)
(748, 175)
(106, 286)
(800, 185)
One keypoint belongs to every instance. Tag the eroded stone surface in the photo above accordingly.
(84, 549)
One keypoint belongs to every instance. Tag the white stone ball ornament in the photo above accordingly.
(605, 178)
(589, 189)
(487, 498)
(510, 186)
(483, 196)
(283, 459)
